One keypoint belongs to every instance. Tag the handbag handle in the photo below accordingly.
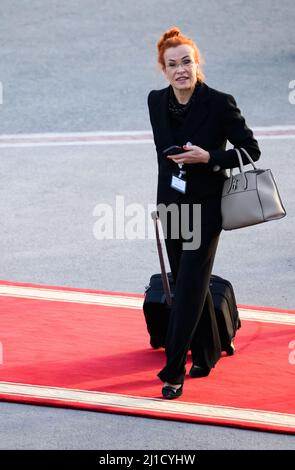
(241, 165)
(166, 286)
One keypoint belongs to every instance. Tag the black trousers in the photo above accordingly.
(192, 322)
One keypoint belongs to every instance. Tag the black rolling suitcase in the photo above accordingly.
(158, 299)
(156, 309)
(226, 311)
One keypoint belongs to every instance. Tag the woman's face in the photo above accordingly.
(180, 67)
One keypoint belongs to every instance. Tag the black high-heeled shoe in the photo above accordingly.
(198, 371)
(169, 392)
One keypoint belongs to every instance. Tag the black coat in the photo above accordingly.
(212, 119)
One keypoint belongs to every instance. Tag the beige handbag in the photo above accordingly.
(250, 197)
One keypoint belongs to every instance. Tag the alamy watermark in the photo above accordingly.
(134, 222)
(292, 92)
(292, 353)
(1, 93)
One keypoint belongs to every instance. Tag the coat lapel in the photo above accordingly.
(197, 115)
(164, 128)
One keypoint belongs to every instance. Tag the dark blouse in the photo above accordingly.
(178, 112)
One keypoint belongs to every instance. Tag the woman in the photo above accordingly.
(199, 119)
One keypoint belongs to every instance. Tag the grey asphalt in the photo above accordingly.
(73, 66)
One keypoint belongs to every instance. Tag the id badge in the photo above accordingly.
(178, 183)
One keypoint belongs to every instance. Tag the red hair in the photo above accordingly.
(174, 38)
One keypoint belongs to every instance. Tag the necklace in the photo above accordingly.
(178, 110)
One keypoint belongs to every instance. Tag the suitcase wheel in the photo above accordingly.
(230, 350)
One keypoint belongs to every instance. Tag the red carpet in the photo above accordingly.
(89, 349)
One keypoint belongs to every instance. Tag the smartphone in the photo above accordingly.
(173, 150)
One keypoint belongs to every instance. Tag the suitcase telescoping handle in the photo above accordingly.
(166, 286)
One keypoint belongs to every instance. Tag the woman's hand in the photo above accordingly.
(192, 154)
